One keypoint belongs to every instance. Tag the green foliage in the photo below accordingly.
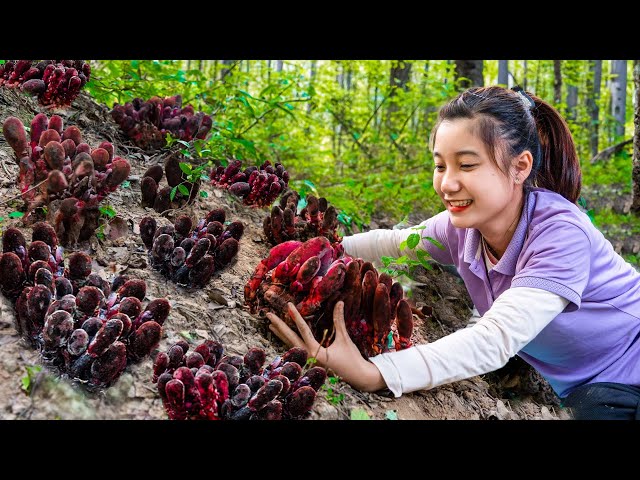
(404, 265)
(108, 211)
(330, 394)
(347, 127)
(28, 380)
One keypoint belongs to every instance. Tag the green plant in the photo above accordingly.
(404, 265)
(107, 212)
(28, 380)
(330, 394)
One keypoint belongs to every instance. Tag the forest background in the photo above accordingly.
(356, 131)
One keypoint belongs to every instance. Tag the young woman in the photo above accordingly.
(545, 282)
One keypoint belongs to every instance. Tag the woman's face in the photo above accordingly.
(474, 190)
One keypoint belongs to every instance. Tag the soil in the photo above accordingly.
(514, 392)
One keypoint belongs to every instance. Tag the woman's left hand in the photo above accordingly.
(342, 356)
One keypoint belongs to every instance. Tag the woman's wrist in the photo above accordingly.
(372, 379)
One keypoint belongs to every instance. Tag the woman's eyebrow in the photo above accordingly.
(459, 153)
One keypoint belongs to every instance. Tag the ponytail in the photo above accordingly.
(559, 167)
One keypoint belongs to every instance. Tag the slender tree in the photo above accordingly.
(619, 95)
(399, 77)
(503, 72)
(469, 73)
(557, 82)
(594, 79)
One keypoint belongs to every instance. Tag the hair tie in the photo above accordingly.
(526, 100)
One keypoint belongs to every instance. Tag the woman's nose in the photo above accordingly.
(450, 182)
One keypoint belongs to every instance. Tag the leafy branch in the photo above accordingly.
(404, 265)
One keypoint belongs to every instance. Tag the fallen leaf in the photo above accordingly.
(359, 414)
(116, 228)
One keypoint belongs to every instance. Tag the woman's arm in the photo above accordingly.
(372, 245)
(516, 318)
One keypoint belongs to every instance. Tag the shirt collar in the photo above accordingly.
(507, 264)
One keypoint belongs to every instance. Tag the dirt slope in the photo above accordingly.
(516, 392)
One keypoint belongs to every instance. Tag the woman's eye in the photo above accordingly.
(467, 165)
(439, 168)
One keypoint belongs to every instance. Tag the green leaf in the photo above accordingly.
(386, 261)
(107, 210)
(413, 240)
(391, 415)
(172, 195)
(359, 414)
(402, 260)
(185, 167)
(183, 190)
(1, 219)
(27, 380)
(186, 335)
(182, 142)
(203, 194)
(312, 187)
(403, 245)
(135, 63)
(344, 218)
(16, 214)
(436, 243)
(423, 256)
(125, 184)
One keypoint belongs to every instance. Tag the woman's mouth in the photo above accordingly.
(457, 206)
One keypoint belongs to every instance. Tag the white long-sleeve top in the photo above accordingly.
(514, 319)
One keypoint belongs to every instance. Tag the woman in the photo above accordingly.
(547, 285)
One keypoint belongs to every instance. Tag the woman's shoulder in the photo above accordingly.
(551, 207)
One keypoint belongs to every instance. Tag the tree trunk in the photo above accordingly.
(524, 75)
(398, 78)
(557, 82)
(279, 65)
(503, 73)
(572, 102)
(469, 73)
(635, 174)
(619, 95)
(593, 89)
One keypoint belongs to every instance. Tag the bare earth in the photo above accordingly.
(515, 392)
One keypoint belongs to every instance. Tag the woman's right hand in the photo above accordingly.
(342, 356)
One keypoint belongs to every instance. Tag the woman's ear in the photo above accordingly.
(522, 165)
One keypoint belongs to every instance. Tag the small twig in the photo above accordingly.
(22, 193)
(4, 167)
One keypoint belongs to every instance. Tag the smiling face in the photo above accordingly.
(474, 190)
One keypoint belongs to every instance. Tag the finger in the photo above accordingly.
(284, 333)
(303, 328)
(338, 321)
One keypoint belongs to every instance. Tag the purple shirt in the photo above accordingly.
(555, 247)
